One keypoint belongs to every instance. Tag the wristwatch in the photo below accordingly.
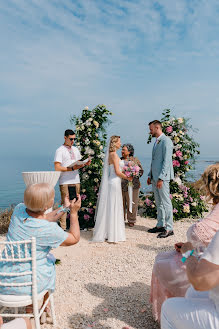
(64, 209)
(186, 255)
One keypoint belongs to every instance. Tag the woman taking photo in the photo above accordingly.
(29, 220)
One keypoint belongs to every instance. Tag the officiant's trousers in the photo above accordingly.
(164, 205)
(64, 193)
(131, 217)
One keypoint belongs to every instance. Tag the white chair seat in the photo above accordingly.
(17, 251)
(15, 300)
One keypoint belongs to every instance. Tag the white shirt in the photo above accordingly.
(211, 254)
(157, 139)
(67, 156)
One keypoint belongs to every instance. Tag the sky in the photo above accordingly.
(136, 57)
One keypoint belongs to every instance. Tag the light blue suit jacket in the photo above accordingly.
(162, 163)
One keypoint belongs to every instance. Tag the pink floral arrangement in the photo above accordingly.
(83, 197)
(148, 202)
(169, 129)
(176, 163)
(86, 217)
(178, 153)
(131, 169)
(90, 210)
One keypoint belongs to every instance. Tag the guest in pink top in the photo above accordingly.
(169, 278)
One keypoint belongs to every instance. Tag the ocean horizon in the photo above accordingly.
(12, 185)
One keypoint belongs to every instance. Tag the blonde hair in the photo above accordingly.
(210, 178)
(113, 140)
(37, 197)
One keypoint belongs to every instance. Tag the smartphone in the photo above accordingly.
(72, 192)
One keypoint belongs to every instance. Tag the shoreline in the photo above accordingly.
(12, 185)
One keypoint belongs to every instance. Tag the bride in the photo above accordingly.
(109, 216)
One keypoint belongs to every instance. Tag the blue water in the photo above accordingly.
(12, 185)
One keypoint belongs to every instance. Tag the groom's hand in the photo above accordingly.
(149, 181)
(159, 184)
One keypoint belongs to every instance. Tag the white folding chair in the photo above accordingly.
(21, 252)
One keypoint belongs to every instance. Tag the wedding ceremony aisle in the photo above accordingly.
(107, 286)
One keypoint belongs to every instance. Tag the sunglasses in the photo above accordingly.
(72, 139)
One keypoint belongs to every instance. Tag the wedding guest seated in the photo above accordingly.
(199, 309)
(128, 155)
(29, 220)
(19, 323)
(169, 278)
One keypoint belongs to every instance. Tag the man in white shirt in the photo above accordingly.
(65, 155)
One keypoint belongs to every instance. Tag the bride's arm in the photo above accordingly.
(115, 161)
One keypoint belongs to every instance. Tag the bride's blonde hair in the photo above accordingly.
(113, 140)
(210, 178)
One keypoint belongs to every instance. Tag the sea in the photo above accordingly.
(12, 185)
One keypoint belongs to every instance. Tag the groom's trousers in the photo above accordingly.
(164, 205)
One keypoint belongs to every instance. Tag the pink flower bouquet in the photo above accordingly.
(131, 169)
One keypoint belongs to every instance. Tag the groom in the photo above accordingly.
(159, 176)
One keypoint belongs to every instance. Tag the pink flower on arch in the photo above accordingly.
(186, 162)
(83, 197)
(178, 153)
(86, 217)
(90, 210)
(171, 197)
(169, 129)
(175, 210)
(148, 202)
(176, 163)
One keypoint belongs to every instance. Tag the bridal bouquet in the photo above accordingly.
(130, 169)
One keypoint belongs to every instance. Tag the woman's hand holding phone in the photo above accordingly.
(66, 202)
(75, 204)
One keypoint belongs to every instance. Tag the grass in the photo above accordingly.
(5, 217)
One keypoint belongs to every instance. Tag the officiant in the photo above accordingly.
(128, 155)
(65, 155)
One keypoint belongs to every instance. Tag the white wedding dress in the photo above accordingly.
(109, 224)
